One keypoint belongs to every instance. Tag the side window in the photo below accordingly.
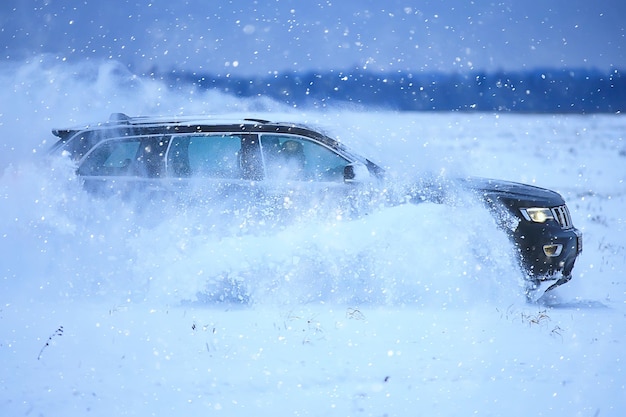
(78, 145)
(112, 157)
(135, 156)
(214, 156)
(296, 158)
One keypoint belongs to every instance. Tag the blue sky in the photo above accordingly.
(258, 37)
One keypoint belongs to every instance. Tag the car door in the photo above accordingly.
(124, 165)
(214, 167)
(301, 173)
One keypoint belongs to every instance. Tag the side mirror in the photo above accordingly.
(356, 173)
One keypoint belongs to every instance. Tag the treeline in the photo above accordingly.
(539, 90)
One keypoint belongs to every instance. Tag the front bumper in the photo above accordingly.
(548, 252)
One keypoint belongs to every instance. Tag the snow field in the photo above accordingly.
(390, 314)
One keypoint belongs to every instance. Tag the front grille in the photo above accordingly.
(561, 215)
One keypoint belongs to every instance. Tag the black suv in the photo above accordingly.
(129, 155)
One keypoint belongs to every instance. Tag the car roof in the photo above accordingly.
(204, 123)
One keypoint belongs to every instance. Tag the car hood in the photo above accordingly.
(513, 192)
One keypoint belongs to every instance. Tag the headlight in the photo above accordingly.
(537, 214)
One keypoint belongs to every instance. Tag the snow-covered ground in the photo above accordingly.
(398, 313)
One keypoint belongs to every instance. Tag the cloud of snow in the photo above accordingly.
(79, 246)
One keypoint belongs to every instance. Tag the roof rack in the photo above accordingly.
(122, 118)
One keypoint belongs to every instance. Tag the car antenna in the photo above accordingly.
(119, 117)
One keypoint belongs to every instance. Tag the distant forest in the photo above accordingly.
(536, 91)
